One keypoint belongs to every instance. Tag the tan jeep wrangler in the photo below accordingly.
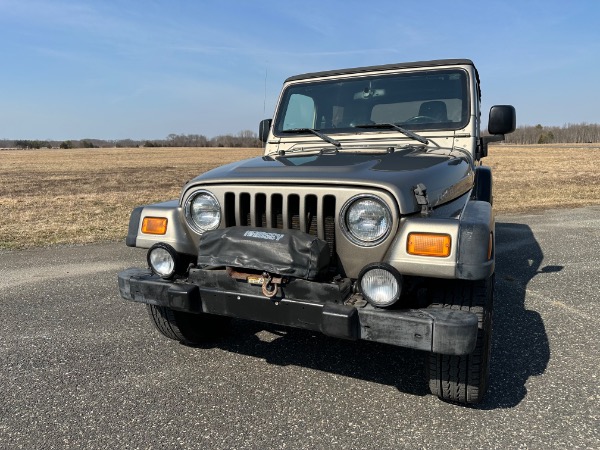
(369, 216)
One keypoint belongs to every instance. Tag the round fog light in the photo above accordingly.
(162, 259)
(380, 284)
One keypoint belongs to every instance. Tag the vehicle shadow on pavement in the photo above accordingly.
(520, 346)
(369, 361)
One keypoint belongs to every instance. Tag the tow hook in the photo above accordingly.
(270, 284)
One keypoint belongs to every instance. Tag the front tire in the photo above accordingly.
(187, 328)
(464, 378)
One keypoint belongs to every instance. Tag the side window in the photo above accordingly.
(300, 112)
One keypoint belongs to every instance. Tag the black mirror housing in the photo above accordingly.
(263, 129)
(503, 119)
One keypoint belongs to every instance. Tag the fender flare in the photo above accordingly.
(477, 227)
(482, 186)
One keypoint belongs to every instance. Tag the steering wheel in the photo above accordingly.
(422, 119)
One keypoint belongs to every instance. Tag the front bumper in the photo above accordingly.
(308, 305)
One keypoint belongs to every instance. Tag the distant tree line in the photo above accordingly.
(527, 134)
(244, 139)
(30, 144)
(567, 134)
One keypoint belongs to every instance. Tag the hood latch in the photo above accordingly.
(420, 192)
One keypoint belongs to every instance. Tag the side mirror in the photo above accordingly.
(503, 119)
(263, 129)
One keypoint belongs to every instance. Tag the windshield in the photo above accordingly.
(428, 100)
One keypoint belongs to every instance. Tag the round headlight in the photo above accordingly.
(202, 211)
(366, 220)
(380, 284)
(162, 259)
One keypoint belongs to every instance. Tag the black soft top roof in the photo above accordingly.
(407, 65)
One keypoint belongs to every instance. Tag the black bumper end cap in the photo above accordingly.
(454, 331)
(340, 321)
(184, 297)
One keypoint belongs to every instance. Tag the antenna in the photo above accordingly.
(265, 99)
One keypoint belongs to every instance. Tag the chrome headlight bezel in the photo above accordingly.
(349, 230)
(190, 218)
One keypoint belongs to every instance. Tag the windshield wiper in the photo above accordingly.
(387, 126)
(316, 133)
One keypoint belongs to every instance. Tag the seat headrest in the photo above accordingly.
(436, 109)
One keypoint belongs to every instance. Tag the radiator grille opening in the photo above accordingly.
(294, 212)
(245, 209)
(310, 207)
(277, 211)
(260, 210)
(229, 209)
(328, 214)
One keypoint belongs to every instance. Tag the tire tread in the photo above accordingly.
(187, 328)
(464, 378)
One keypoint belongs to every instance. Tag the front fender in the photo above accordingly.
(176, 235)
(470, 234)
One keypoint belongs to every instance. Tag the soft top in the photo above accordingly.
(406, 65)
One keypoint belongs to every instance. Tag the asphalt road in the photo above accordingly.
(82, 368)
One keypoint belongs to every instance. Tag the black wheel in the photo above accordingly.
(187, 328)
(464, 379)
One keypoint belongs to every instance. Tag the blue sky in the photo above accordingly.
(115, 69)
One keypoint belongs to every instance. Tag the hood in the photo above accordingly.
(446, 177)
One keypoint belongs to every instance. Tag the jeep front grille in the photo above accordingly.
(314, 214)
(312, 208)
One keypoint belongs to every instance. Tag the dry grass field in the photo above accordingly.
(50, 197)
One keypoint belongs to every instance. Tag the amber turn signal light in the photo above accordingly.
(154, 225)
(429, 244)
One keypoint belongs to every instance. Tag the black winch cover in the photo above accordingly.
(290, 253)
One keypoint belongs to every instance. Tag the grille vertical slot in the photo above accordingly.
(260, 211)
(310, 214)
(328, 222)
(276, 211)
(243, 211)
(229, 209)
(293, 213)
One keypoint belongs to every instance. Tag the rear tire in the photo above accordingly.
(464, 378)
(187, 328)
